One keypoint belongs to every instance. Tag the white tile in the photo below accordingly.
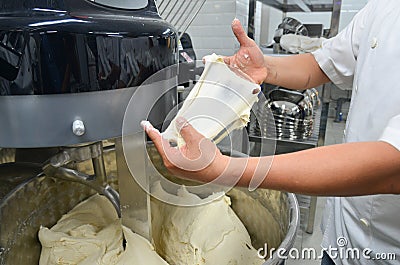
(211, 30)
(217, 31)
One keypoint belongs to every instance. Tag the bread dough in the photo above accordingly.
(91, 233)
(207, 234)
(219, 103)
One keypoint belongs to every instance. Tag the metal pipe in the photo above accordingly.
(311, 215)
(339, 105)
(88, 180)
(303, 6)
(98, 165)
(335, 18)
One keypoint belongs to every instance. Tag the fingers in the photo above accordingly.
(198, 153)
(189, 134)
(227, 60)
(155, 136)
(240, 34)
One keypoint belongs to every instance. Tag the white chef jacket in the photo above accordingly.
(365, 56)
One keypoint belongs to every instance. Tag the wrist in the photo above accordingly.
(267, 69)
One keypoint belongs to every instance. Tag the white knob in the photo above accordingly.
(78, 128)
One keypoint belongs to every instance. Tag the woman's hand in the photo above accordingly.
(199, 159)
(249, 59)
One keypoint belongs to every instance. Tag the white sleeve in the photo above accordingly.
(391, 133)
(338, 55)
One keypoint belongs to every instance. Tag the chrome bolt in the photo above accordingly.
(78, 128)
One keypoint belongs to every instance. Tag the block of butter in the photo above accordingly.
(219, 103)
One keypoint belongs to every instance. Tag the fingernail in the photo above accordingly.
(256, 91)
(146, 125)
(181, 122)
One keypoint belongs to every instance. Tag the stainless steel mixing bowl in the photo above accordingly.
(37, 201)
(292, 114)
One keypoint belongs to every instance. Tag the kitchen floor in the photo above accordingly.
(334, 135)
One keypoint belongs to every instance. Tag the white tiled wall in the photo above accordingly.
(211, 30)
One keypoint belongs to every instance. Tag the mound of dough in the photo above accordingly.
(207, 234)
(91, 233)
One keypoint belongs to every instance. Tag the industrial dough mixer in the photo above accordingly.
(68, 70)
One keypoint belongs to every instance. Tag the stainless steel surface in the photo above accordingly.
(12, 174)
(78, 128)
(300, 5)
(99, 168)
(7, 155)
(44, 121)
(284, 144)
(55, 167)
(292, 114)
(131, 156)
(80, 153)
(299, 111)
(334, 29)
(290, 25)
(34, 203)
(135, 201)
(313, 96)
(87, 180)
(294, 221)
(280, 231)
(312, 208)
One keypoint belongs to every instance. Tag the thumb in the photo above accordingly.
(240, 34)
(190, 135)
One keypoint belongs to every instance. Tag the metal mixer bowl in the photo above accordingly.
(35, 202)
(40, 201)
(292, 114)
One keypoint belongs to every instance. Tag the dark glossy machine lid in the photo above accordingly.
(55, 7)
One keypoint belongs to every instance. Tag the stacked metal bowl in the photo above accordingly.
(291, 113)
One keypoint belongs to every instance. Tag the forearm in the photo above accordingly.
(294, 72)
(340, 170)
